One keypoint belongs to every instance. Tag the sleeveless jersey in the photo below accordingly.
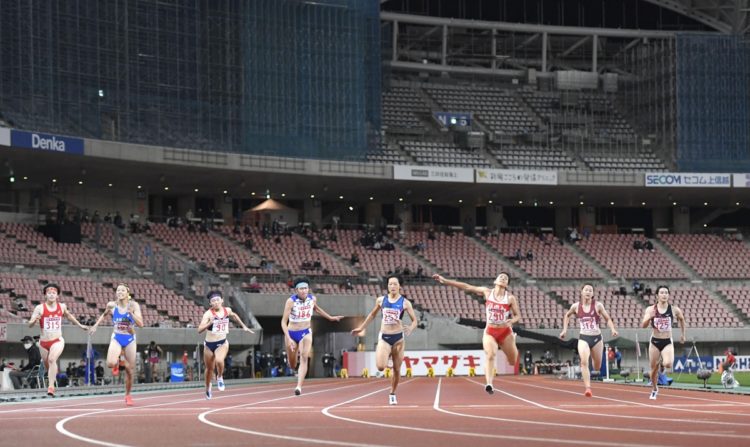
(392, 312)
(221, 324)
(51, 321)
(123, 321)
(588, 322)
(302, 310)
(662, 322)
(498, 310)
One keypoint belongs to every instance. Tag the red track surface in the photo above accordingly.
(524, 411)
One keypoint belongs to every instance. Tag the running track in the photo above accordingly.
(524, 411)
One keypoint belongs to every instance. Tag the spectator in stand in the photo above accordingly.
(638, 245)
(35, 358)
(354, 259)
(529, 255)
(648, 245)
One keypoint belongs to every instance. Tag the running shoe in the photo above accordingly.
(489, 389)
(220, 383)
(653, 395)
(128, 400)
(392, 399)
(116, 370)
(51, 391)
(588, 392)
(208, 392)
(297, 391)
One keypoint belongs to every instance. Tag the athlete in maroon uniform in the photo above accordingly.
(660, 317)
(502, 311)
(590, 345)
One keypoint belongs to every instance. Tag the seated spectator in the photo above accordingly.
(236, 229)
(431, 234)
(648, 245)
(420, 272)
(638, 245)
(517, 256)
(354, 259)
(529, 256)
(317, 265)
(637, 287)
(348, 284)
(249, 243)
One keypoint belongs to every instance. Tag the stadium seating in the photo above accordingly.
(549, 258)
(711, 256)
(615, 252)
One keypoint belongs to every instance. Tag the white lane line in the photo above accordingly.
(303, 440)
(548, 423)
(637, 404)
(60, 426)
(632, 389)
(327, 412)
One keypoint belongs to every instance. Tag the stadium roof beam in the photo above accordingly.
(726, 16)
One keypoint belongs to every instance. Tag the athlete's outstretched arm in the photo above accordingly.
(515, 310)
(107, 310)
(369, 318)
(238, 320)
(205, 322)
(326, 315)
(460, 285)
(35, 315)
(72, 318)
(136, 312)
(285, 325)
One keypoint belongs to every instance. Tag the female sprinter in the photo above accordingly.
(660, 317)
(590, 344)
(295, 323)
(216, 345)
(392, 332)
(502, 312)
(126, 313)
(49, 315)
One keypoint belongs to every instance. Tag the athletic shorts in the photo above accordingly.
(498, 333)
(297, 336)
(591, 340)
(392, 339)
(661, 343)
(213, 345)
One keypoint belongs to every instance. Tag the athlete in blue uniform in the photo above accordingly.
(126, 314)
(391, 338)
(295, 323)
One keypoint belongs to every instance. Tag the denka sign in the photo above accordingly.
(46, 142)
(688, 180)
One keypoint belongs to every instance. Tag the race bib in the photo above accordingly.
(496, 315)
(122, 327)
(588, 324)
(52, 324)
(221, 325)
(303, 313)
(663, 324)
(391, 316)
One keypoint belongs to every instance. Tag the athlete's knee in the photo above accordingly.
(667, 365)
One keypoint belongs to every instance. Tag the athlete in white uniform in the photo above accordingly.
(502, 311)
(660, 317)
(216, 345)
(295, 323)
(392, 331)
(590, 344)
(51, 343)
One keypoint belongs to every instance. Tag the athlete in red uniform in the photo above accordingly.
(49, 315)
(502, 311)
(590, 345)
